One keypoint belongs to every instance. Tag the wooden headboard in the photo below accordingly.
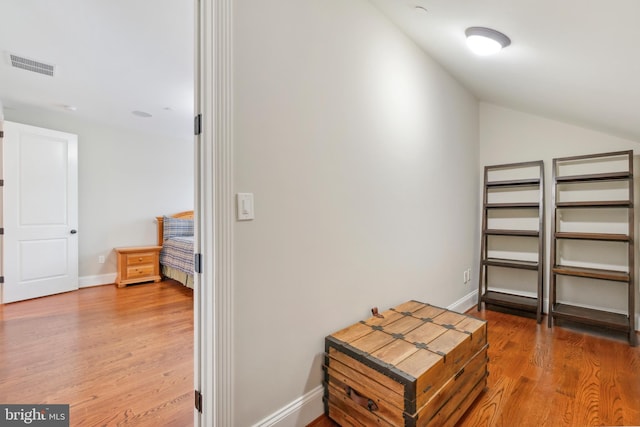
(160, 222)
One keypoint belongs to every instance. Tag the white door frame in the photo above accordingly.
(213, 313)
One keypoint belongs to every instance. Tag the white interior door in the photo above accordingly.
(40, 212)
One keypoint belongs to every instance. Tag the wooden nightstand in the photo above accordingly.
(138, 264)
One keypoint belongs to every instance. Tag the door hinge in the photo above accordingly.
(1, 134)
(1, 182)
(197, 124)
(1, 279)
(1, 230)
(198, 401)
(197, 263)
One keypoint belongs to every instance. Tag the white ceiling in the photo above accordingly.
(112, 57)
(571, 60)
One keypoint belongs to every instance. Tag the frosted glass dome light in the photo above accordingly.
(485, 41)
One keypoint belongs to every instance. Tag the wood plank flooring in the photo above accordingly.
(553, 377)
(117, 356)
(125, 357)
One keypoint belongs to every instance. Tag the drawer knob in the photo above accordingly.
(140, 259)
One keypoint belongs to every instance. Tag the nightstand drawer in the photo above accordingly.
(140, 271)
(141, 258)
(138, 264)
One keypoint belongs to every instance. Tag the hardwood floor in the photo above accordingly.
(125, 357)
(553, 377)
(117, 356)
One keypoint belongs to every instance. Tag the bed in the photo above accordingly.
(175, 235)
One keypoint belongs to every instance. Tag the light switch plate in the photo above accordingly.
(244, 206)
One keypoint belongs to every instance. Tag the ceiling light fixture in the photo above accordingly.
(485, 41)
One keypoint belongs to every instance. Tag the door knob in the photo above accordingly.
(74, 231)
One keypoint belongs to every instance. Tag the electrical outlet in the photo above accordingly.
(101, 259)
(466, 276)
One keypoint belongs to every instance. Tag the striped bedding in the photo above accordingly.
(177, 252)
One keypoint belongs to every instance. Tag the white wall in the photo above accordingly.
(362, 154)
(125, 180)
(508, 136)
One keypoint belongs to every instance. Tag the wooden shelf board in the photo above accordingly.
(609, 176)
(529, 182)
(525, 205)
(528, 304)
(593, 273)
(511, 263)
(627, 153)
(524, 233)
(593, 236)
(590, 316)
(596, 204)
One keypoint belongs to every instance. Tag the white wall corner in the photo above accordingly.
(298, 413)
(465, 303)
(97, 280)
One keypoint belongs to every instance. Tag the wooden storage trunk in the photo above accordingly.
(419, 365)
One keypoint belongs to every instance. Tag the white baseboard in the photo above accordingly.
(465, 303)
(101, 279)
(298, 413)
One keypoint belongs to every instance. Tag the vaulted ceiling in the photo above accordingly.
(571, 60)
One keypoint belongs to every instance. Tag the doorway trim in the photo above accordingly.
(213, 311)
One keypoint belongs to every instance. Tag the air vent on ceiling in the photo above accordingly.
(31, 65)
